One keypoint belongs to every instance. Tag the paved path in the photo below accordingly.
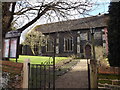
(76, 78)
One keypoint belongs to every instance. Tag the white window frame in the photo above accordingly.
(78, 48)
(57, 49)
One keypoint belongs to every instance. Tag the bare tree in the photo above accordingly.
(14, 11)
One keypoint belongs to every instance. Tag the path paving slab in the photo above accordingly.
(76, 78)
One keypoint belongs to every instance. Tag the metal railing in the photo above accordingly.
(41, 76)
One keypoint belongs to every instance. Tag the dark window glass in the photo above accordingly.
(50, 45)
(68, 44)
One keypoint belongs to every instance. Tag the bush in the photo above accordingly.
(99, 51)
(101, 56)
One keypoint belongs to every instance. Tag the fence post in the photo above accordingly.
(25, 73)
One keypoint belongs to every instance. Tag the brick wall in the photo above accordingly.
(109, 70)
(14, 72)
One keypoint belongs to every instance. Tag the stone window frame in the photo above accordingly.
(50, 44)
(68, 44)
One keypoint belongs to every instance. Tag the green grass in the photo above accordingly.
(38, 59)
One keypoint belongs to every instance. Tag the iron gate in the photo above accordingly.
(42, 76)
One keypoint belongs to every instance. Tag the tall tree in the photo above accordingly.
(0, 31)
(114, 34)
(7, 16)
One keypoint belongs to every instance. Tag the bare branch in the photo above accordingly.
(34, 20)
(49, 9)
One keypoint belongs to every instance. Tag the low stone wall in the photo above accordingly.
(109, 87)
(12, 74)
(109, 70)
(111, 83)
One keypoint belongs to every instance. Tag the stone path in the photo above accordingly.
(76, 78)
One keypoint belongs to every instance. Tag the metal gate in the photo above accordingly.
(42, 76)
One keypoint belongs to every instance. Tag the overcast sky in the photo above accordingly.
(101, 8)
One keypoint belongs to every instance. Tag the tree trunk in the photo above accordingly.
(6, 16)
(39, 50)
(33, 51)
(0, 31)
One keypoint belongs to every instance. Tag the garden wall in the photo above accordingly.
(109, 70)
(109, 77)
(12, 74)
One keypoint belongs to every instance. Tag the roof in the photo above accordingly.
(76, 24)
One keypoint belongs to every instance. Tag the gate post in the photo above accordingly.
(25, 73)
(93, 74)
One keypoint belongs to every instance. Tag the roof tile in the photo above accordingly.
(82, 23)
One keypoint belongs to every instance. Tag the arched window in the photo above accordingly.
(68, 43)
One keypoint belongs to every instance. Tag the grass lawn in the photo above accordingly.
(38, 59)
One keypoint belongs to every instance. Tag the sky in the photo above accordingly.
(101, 8)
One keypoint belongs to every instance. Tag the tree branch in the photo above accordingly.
(11, 15)
(34, 20)
(63, 9)
(24, 11)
